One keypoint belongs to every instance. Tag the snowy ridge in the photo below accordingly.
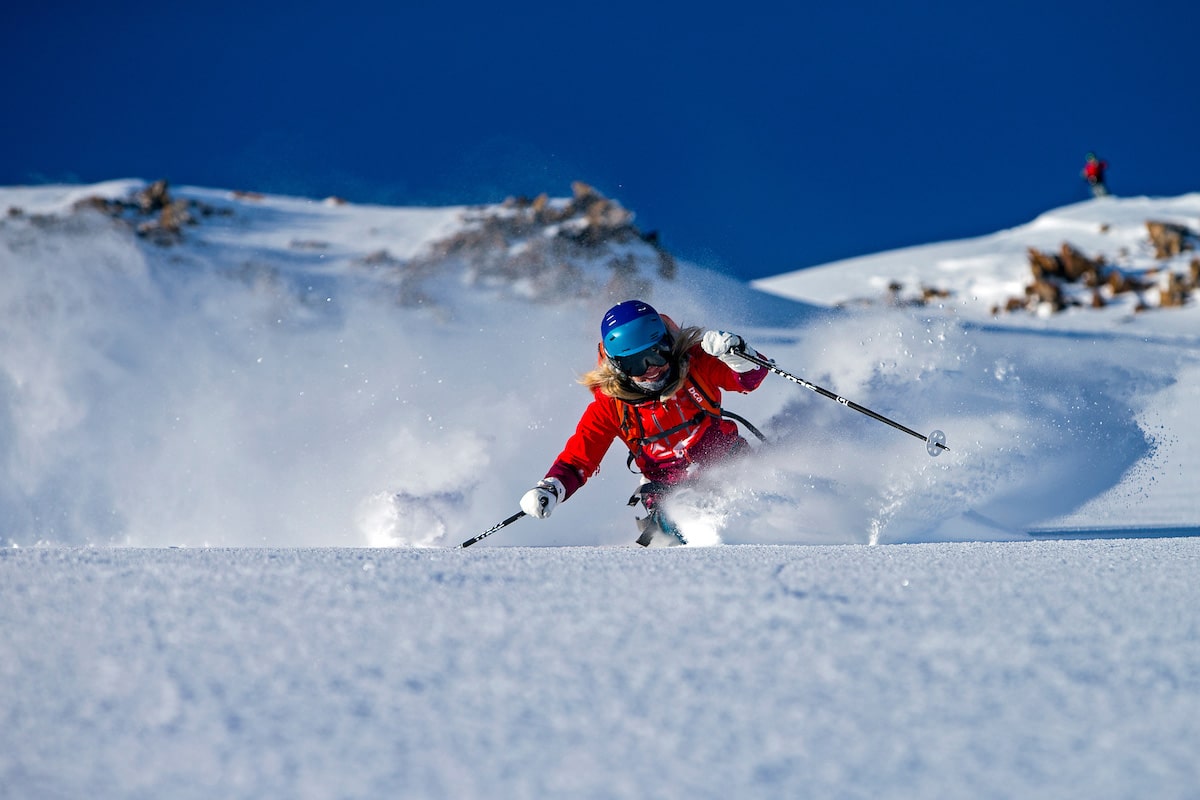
(981, 275)
(295, 372)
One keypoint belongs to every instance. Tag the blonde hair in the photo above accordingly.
(606, 378)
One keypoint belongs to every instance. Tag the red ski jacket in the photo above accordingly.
(1094, 171)
(666, 434)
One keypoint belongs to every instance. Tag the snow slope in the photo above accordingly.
(294, 380)
(1082, 356)
(982, 670)
(984, 272)
(296, 372)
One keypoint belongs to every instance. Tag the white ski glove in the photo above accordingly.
(541, 499)
(721, 344)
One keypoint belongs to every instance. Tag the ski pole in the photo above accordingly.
(492, 530)
(935, 442)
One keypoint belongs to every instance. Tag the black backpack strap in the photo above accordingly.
(627, 425)
(729, 414)
(673, 430)
(757, 433)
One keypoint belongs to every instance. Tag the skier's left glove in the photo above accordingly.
(722, 344)
(540, 500)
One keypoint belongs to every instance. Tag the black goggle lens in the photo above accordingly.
(639, 363)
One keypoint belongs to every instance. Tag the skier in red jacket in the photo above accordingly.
(1093, 173)
(657, 388)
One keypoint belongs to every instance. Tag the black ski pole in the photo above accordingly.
(492, 530)
(935, 442)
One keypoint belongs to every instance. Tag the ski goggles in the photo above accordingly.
(641, 362)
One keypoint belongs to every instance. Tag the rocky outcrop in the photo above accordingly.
(585, 245)
(1068, 278)
(1067, 265)
(581, 246)
(1051, 270)
(153, 213)
(588, 218)
(1175, 291)
(1169, 239)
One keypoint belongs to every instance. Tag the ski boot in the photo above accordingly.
(656, 528)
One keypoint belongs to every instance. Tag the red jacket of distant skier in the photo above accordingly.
(1094, 171)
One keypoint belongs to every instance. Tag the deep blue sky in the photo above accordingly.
(755, 137)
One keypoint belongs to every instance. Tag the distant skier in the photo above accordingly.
(657, 387)
(1093, 173)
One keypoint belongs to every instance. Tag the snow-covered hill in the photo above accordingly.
(988, 277)
(233, 369)
(279, 374)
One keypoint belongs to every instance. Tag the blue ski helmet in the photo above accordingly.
(631, 327)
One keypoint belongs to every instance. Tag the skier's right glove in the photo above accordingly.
(725, 346)
(540, 500)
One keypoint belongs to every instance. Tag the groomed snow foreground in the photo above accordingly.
(1026, 669)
